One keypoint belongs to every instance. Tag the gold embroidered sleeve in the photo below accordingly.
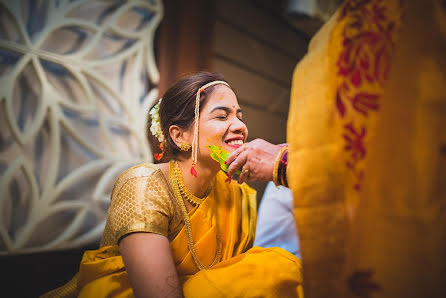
(139, 204)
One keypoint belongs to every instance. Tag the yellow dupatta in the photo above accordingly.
(366, 130)
(258, 272)
(236, 214)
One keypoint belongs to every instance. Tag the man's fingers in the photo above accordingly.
(244, 175)
(235, 154)
(237, 163)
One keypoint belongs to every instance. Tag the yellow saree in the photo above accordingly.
(143, 201)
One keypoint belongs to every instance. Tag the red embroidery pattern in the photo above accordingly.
(368, 39)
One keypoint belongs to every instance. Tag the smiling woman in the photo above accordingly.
(181, 228)
(219, 121)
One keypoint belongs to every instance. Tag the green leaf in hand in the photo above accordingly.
(220, 155)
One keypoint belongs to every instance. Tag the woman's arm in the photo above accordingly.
(149, 264)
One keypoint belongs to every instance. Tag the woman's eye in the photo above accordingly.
(222, 117)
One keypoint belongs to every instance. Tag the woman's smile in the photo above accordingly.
(235, 142)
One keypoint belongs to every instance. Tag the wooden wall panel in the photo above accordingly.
(263, 26)
(250, 53)
(255, 90)
(263, 123)
(257, 52)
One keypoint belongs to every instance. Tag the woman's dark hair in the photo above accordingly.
(178, 108)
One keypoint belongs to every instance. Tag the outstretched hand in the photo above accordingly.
(255, 160)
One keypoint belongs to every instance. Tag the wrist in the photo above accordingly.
(280, 167)
(283, 167)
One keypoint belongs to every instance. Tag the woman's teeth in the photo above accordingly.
(235, 142)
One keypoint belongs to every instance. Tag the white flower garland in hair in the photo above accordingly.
(155, 127)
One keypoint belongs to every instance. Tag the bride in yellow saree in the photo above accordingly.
(181, 228)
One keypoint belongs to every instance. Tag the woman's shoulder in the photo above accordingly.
(138, 171)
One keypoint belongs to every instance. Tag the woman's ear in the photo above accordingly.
(178, 135)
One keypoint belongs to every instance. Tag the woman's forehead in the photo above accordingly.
(223, 96)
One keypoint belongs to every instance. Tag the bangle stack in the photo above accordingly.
(280, 168)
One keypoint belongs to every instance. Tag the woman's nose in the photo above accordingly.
(238, 126)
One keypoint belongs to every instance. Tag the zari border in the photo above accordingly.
(139, 227)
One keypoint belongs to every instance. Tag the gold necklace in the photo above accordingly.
(194, 200)
(190, 242)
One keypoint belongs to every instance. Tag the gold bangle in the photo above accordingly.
(276, 165)
(287, 169)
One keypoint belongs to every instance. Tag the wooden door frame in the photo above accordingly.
(186, 39)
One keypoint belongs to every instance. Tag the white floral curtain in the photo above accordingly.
(76, 82)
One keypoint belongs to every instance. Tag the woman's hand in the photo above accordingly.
(255, 159)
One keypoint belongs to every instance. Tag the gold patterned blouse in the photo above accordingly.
(142, 201)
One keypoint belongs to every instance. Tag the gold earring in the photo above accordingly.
(185, 146)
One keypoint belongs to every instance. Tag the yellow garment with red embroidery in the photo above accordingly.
(367, 135)
(242, 272)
